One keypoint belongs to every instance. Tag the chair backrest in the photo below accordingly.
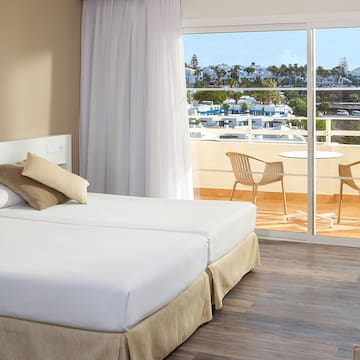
(346, 172)
(241, 168)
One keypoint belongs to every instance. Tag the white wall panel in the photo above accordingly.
(230, 14)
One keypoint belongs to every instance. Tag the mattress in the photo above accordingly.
(223, 223)
(96, 278)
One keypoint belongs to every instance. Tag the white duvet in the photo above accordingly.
(97, 278)
(223, 223)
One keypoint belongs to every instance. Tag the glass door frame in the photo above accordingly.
(310, 235)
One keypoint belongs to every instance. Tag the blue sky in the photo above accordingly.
(274, 48)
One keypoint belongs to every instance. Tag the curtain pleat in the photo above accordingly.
(133, 131)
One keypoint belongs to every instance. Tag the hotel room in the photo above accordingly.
(104, 253)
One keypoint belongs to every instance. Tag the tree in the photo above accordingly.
(244, 107)
(246, 83)
(236, 96)
(249, 70)
(234, 74)
(354, 97)
(298, 105)
(274, 70)
(266, 97)
(232, 82)
(324, 106)
(220, 72)
(339, 72)
(207, 78)
(226, 108)
(344, 64)
(217, 96)
(194, 63)
(333, 97)
(322, 72)
(283, 70)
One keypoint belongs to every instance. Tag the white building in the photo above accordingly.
(192, 77)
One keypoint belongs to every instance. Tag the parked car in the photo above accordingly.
(355, 113)
(342, 112)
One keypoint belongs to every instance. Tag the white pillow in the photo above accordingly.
(8, 197)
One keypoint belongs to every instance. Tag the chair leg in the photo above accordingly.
(284, 197)
(340, 201)
(254, 194)
(233, 190)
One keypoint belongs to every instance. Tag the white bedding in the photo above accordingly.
(97, 278)
(223, 223)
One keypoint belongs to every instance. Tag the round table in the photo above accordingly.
(318, 154)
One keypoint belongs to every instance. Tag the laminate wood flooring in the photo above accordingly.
(302, 303)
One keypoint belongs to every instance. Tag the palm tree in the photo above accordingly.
(232, 82)
(322, 72)
(274, 70)
(235, 72)
(249, 70)
(236, 96)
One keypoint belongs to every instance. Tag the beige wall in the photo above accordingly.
(40, 69)
(212, 169)
(238, 8)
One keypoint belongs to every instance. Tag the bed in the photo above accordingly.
(227, 227)
(73, 292)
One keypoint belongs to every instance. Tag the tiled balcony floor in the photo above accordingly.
(270, 211)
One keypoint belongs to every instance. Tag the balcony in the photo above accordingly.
(213, 177)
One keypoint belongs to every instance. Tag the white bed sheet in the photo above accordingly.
(96, 278)
(223, 223)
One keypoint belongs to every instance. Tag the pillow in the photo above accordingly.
(54, 176)
(8, 197)
(37, 195)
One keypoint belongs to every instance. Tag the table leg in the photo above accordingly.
(326, 216)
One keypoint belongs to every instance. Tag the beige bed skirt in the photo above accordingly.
(356, 352)
(153, 338)
(225, 273)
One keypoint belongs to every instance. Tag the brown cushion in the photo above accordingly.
(50, 174)
(39, 196)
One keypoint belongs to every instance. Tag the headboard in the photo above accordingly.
(56, 148)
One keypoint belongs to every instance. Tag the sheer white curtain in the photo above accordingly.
(133, 128)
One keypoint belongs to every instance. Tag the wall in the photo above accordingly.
(40, 69)
(212, 169)
(224, 8)
(236, 12)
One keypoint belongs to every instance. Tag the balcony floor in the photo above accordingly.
(270, 211)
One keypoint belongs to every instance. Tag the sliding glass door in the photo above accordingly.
(338, 132)
(288, 97)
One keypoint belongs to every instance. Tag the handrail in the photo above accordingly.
(247, 130)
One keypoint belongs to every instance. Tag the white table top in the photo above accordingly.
(318, 154)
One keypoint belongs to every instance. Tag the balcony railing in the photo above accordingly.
(250, 133)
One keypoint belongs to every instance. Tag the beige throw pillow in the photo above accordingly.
(39, 196)
(54, 176)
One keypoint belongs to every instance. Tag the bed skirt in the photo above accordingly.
(226, 272)
(153, 338)
(356, 352)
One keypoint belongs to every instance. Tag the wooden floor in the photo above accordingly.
(270, 211)
(302, 303)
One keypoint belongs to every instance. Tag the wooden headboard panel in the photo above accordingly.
(56, 148)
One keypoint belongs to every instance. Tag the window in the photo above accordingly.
(249, 92)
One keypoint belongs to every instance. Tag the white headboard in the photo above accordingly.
(56, 148)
